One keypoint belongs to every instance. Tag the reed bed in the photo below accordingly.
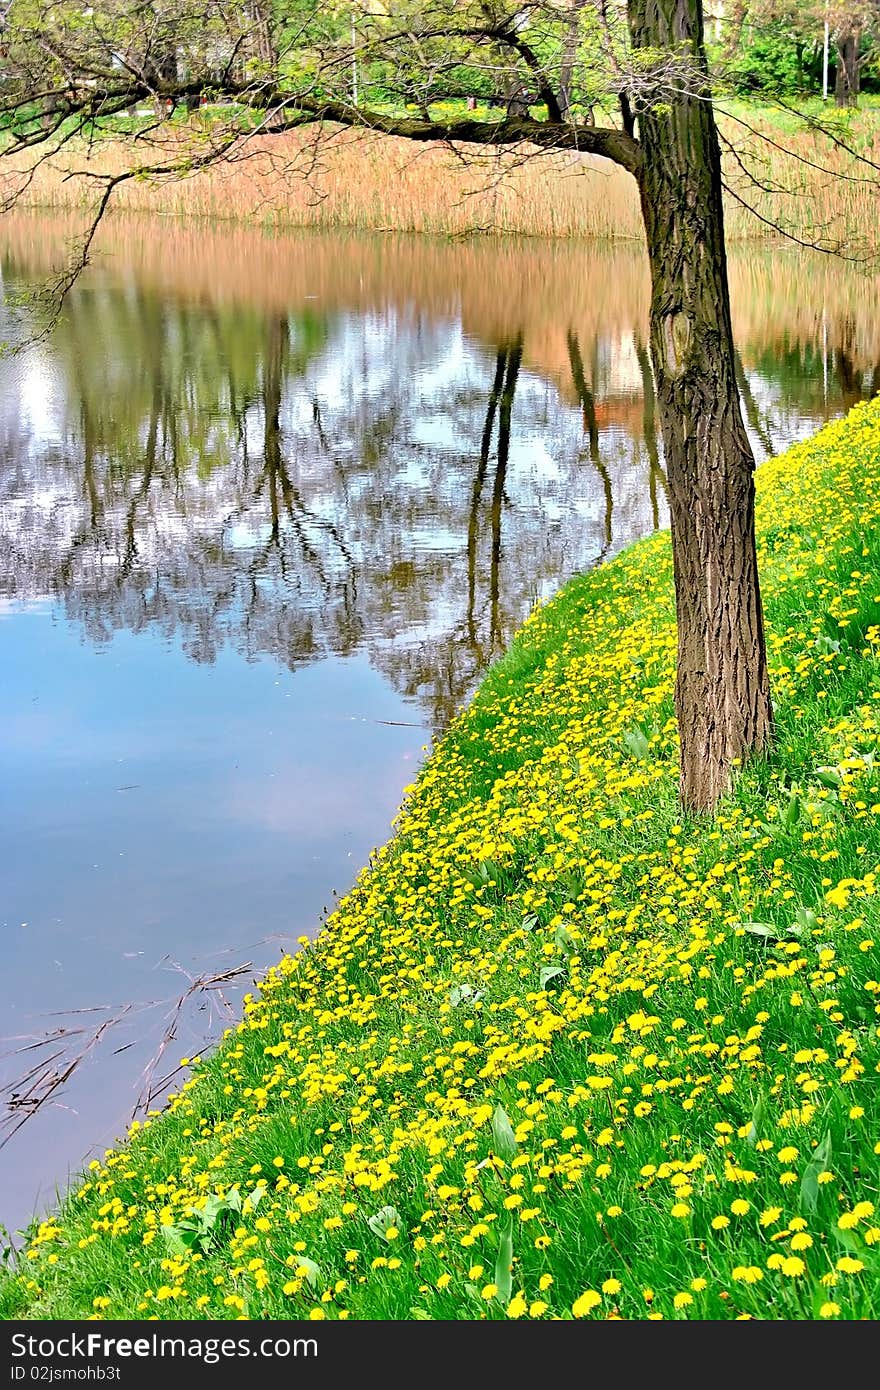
(361, 180)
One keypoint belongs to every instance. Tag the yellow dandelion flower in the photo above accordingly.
(586, 1303)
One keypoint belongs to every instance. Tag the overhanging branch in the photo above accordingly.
(606, 142)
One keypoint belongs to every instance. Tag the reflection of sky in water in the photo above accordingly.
(223, 643)
(158, 810)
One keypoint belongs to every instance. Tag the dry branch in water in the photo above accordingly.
(44, 1063)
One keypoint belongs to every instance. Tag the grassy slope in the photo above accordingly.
(692, 1102)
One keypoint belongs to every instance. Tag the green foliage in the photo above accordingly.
(770, 61)
(210, 1225)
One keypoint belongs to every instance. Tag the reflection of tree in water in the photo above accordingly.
(591, 430)
(790, 380)
(386, 474)
(305, 484)
(313, 483)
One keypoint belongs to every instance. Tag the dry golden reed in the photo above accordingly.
(361, 180)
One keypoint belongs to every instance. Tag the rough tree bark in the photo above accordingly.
(847, 78)
(569, 58)
(734, 27)
(722, 691)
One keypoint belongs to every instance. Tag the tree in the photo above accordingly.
(71, 72)
(850, 25)
(766, 43)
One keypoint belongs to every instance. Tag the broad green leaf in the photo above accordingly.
(634, 742)
(829, 777)
(761, 929)
(383, 1218)
(809, 1195)
(503, 1135)
(312, 1271)
(793, 811)
(180, 1240)
(504, 1265)
(420, 1315)
(253, 1199)
(564, 940)
(548, 973)
(757, 1120)
(849, 1240)
(806, 919)
(211, 1210)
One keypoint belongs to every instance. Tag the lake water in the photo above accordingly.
(268, 507)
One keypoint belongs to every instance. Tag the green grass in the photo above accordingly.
(560, 1052)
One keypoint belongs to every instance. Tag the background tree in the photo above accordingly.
(776, 46)
(855, 34)
(71, 73)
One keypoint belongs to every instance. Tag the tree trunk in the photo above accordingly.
(263, 43)
(277, 334)
(649, 429)
(591, 430)
(569, 58)
(846, 83)
(737, 19)
(514, 360)
(160, 71)
(476, 494)
(722, 691)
